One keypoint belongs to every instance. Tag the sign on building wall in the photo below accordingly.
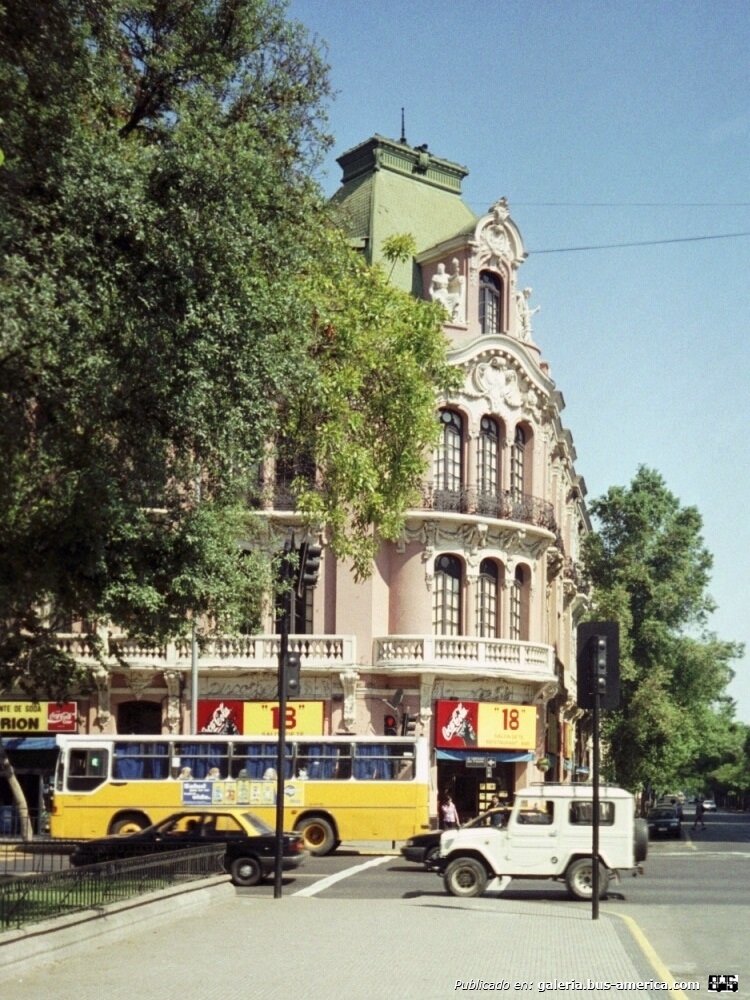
(486, 725)
(38, 717)
(259, 718)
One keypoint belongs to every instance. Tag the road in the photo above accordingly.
(378, 927)
(692, 905)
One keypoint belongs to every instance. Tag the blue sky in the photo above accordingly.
(607, 122)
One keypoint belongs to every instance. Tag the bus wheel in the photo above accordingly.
(317, 834)
(129, 823)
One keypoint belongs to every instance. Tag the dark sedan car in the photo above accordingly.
(666, 820)
(423, 849)
(250, 843)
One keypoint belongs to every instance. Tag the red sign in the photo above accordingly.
(220, 718)
(62, 717)
(457, 724)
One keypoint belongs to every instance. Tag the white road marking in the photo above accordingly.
(326, 883)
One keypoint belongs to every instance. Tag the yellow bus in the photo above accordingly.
(336, 788)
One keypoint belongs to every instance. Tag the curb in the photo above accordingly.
(50, 940)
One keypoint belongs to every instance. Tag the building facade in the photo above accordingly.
(465, 629)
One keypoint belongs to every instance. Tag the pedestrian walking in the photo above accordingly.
(700, 811)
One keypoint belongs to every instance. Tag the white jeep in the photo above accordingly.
(547, 834)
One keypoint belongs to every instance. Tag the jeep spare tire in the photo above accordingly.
(640, 840)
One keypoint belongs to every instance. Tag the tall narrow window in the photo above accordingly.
(490, 303)
(448, 463)
(519, 605)
(517, 463)
(488, 465)
(448, 455)
(487, 591)
(446, 596)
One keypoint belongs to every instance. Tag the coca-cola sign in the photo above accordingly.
(62, 717)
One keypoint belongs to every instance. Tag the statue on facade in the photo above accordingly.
(525, 313)
(448, 289)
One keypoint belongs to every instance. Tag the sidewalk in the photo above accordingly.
(216, 943)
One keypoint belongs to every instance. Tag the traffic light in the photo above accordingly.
(409, 725)
(390, 725)
(598, 647)
(598, 664)
(309, 567)
(291, 673)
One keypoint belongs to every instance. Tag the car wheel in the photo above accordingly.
(465, 877)
(579, 879)
(431, 856)
(246, 871)
(317, 834)
(129, 823)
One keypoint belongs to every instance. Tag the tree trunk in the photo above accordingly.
(19, 799)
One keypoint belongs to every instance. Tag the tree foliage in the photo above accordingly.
(650, 571)
(170, 290)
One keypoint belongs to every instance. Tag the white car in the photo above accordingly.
(709, 805)
(548, 835)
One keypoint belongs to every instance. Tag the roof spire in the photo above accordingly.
(403, 129)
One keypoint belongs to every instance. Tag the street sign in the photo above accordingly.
(480, 762)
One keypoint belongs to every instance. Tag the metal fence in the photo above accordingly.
(24, 857)
(34, 897)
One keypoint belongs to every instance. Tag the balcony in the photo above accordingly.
(505, 505)
(251, 652)
(465, 655)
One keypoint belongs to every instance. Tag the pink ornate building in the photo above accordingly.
(465, 629)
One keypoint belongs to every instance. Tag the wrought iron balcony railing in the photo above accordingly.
(505, 505)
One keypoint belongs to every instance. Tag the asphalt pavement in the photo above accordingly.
(216, 942)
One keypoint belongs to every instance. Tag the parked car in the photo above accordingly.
(709, 805)
(666, 820)
(250, 843)
(548, 836)
(424, 849)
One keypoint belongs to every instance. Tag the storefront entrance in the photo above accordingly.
(472, 788)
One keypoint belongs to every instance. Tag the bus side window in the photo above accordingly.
(87, 769)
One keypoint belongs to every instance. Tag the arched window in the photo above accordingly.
(519, 605)
(517, 463)
(490, 303)
(488, 467)
(448, 463)
(487, 593)
(446, 596)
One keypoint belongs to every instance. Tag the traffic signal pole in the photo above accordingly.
(306, 574)
(595, 804)
(280, 757)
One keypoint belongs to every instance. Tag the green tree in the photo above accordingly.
(173, 296)
(650, 570)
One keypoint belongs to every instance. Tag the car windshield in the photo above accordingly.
(258, 824)
(493, 817)
(666, 813)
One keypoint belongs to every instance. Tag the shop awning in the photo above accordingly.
(486, 756)
(30, 743)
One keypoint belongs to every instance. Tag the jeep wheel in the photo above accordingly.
(465, 877)
(579, 879)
